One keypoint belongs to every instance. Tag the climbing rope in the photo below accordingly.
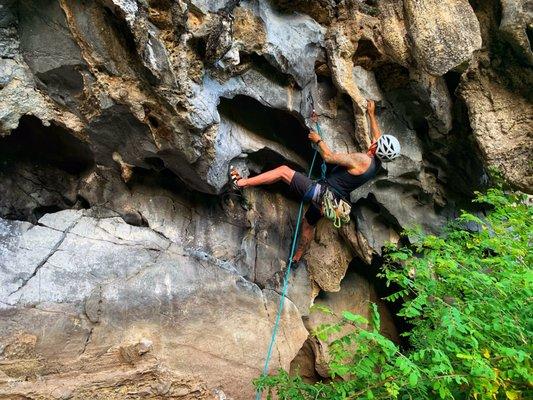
(323, 167)
(286, 277)
(336, 212)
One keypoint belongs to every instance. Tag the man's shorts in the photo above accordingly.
(300, 186)
(313, 214)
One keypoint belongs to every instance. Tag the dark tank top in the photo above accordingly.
(343, 183)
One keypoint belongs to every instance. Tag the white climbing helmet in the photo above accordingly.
(388, 148)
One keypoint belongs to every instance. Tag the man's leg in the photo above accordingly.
(306, 235)
(286, 174)
(309, 221)
(283, 173)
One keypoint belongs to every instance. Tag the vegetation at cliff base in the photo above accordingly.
(467, 296)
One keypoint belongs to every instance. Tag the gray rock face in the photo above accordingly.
(127, 268)
(394, 31)
(444, 33)
(19, 95)
(206, 6)
(434, 92)
(293, 42)
(356, 297)
(496, 91)
(374, 227)
(499, 120)
(48, 24)
(516, 20)
(108, 274)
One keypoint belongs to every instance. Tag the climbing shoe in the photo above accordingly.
(234, 177)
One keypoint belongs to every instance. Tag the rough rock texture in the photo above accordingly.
(129, 271)
(502, 123)
(444, 33)
(497, 92)
(153, 301)
(355, 296)
(515, 22)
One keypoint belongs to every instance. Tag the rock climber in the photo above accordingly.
(351, 171)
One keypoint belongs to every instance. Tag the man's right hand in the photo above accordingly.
(370, 106)
(314, 137)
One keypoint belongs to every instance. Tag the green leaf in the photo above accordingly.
(321, 308)
(358, 319)
(464, 356)
(413, 379)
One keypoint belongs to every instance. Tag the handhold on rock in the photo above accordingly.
(126, 170)
(131, 353)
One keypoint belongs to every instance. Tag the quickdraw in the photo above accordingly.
(335, 209)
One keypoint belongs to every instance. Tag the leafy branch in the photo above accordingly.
(468, 297)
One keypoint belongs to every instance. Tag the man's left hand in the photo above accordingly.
(314, 137)
(370, 106)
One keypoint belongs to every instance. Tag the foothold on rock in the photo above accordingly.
(126, 170)
(131, 353)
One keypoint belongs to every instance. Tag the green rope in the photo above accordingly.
(285, 282)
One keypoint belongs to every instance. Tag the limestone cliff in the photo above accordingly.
(127, 268)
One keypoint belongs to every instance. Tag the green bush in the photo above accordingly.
(467, 296)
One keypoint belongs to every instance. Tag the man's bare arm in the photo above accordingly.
(349, 160)
(374, 127)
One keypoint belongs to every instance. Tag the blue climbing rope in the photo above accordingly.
(323, 167)
(288, 272)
